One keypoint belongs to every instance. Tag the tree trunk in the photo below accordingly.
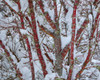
(58, 55)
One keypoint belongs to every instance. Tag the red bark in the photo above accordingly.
(67, 47)
(35, 35)
(45, 30)
(55, 11)
(72, 40)
(65, 50)
(46, 15)
(27, 42)
(56, 35)
(81, 29)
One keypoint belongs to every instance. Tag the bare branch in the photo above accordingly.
(45, 30)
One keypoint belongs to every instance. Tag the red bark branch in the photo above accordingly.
(81, 29)
(72, 40)
(46, 14)
(55, 10)
(65, 50)
(35, 35)
(45, 30)
(27, 42)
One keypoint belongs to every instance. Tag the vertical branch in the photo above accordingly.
(20, 15)
(55, 11)
(72, 40)
(8, 55)
(27, 42)
(59, 12)
(35, 35)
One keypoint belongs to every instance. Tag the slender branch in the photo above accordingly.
(55, 11)
(60, 12)
(72, 41)
(14, 54)
(45, 30)
(46, 14)
(49, 49)
(10, 27)
(65, 50)
(27, 42)
(35, 35)
(64, 6)
(48, 56)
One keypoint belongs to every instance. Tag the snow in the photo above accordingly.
(26, 73)
(50, 76)
(65, 40)
(95, 61)
(98, 76)
(24, 69)
(24, 31)
(24, 5)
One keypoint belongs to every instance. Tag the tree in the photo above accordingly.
(63, 33)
